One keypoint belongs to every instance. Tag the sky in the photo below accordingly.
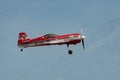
(100, 20)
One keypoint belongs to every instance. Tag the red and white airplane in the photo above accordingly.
(50, 39)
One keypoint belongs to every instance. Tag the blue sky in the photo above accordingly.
(101, 24)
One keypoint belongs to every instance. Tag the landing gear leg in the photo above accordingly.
(69, 51)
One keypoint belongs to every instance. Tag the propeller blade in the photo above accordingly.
(82, 38)
(81, 30)
(83, 44)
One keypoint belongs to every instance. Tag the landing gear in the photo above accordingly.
(21, 50)
(69, 51)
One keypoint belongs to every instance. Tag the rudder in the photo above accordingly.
(22, 38)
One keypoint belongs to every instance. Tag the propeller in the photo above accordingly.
(82, 38)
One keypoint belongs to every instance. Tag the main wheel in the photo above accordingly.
(70, 52)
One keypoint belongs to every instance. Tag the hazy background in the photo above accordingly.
(101, 24)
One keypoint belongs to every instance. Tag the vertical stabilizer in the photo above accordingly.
(22, 38)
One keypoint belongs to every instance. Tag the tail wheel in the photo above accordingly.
(21, 50)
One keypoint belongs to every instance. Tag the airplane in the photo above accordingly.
(51, 39)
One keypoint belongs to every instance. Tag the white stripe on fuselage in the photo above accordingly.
(71, 38)
(56, 41)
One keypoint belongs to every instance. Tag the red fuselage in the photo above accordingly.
(48, 39)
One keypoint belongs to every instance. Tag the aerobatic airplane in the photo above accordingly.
(51, 39)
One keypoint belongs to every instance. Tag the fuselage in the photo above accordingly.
(47, 40)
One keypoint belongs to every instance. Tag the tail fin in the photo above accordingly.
(22, 38)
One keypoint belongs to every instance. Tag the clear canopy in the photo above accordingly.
(50, 35)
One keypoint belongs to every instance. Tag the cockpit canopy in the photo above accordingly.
(50, 35)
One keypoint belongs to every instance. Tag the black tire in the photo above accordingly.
(21, 50)
(70, 52)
